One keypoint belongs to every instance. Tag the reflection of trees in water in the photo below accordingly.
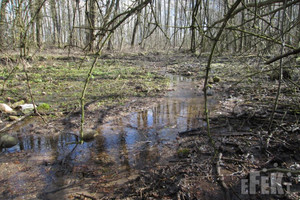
(147, 155)
(123, 149)
(145, 118)
(26, 143)
(35, 143)
(21, 143)
(146, 125)
(175, 112)
(142, 119)
(100, 142)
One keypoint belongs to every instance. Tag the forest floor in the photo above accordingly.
(124, 83)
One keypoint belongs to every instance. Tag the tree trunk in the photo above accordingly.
(90, 37)
(110, 42)
(298, 29)
(168, 17)
(175, 23)
(56, 28)
(2, 22)
(135, 29)
(195, 8)
(38, 25)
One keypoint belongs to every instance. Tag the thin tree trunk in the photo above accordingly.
(195, 7)
(175, 23)
(110, 42)
(79, 23)
(168, 17)
(38, 24)
(91, 18)
(135, 29)
(298, 29)
(56, 29)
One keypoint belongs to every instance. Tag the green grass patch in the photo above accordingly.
(59, 83)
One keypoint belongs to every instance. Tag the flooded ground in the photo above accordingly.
(54, 167)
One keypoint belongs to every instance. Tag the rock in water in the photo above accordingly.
(89, 135)
(7, 141)
(5, 108)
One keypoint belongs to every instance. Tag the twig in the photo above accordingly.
(208, 67)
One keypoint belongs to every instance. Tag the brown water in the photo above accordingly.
(51, 167)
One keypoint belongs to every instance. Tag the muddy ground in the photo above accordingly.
(189, 169)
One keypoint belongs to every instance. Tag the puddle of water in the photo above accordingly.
(141, 139)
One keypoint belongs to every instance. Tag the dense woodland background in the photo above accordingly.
(255, 26)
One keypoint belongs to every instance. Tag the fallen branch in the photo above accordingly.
(296, 51)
